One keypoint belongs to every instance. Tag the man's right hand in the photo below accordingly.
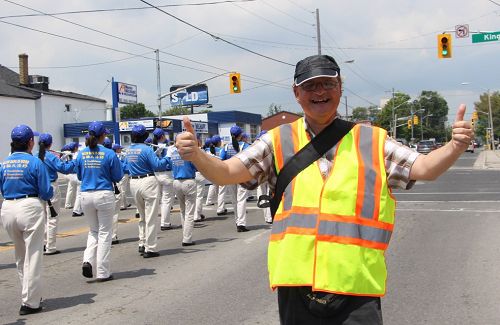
(186, 142)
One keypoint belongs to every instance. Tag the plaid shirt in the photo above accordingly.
(259, 160)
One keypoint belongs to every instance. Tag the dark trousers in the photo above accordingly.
(294, 309)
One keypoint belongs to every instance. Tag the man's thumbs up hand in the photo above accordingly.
(461, 132)
(186, 142)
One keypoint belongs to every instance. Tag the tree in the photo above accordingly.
(273, 109)
(432, 110)
(135, 111)
(178, 110)
(384, 119)
(482, 107)
(360, 114)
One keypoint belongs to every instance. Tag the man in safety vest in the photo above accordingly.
(335, 218)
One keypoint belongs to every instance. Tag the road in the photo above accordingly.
(442, 261)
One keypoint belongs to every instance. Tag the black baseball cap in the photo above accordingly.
(315, 66)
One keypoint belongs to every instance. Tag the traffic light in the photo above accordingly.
(409, 124)
(444, 46)
(474, 116)
(234, 83)
(415, 119)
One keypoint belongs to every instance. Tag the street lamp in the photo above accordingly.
(490, 116)
(394, 122)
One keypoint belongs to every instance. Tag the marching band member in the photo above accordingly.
(25, 184)
(142, 164)
(185, 190)
(238, 193)
(98, 168)
(54, 165)
(165, 180)
(213, 190)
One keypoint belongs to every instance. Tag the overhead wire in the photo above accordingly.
(127, 9)
(215, 36)
(299, 6)
(286, 13)
(272, 22)
(122, 39)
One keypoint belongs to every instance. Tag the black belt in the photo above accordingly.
(141, 176)
(22, 197)
(180, 179)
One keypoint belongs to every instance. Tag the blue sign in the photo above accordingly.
(194, 95)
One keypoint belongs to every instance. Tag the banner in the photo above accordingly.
(194, 95)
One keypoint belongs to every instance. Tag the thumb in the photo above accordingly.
(188, 126)
(460, 113)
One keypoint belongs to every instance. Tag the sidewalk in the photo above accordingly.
(488, 159)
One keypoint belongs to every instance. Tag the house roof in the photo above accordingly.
(9, 87)
(281, 113)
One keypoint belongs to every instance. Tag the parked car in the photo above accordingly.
(426, 146)
(470, 148)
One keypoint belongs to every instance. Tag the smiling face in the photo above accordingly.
(319, 98)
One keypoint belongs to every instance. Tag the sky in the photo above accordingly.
(391, 45)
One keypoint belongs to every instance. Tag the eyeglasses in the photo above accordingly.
(313, 85)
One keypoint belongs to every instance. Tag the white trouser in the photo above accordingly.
(263, 189)
(78, 201)
(71, 192)
(51, 223)
(166, 183)
(239, 197)
(98, 207)
(200, 191)
(185, 189)
(213, 191)
(145, 193)
(23, 219)
(221, 197)
(124, 187)
(118, 198)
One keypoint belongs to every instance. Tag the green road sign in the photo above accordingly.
(485, 37)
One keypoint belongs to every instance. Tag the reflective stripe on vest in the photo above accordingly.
(331, 232)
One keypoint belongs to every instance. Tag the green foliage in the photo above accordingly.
(483, 112)
(178, 110)
(273, 109)
(135, 111)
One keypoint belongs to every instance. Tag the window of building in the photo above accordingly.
(67, 107)
(254, 131)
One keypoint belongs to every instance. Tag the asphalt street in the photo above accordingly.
(443, 265)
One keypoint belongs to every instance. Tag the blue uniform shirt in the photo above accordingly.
(141, 160)
(98, 169)
(22, 174)
(181, 169)
(228, 150)
(55, 165)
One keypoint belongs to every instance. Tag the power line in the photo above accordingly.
(216, 37)
(272, 22)
(287, 14)
(127, 9)
(299, 6)
(362, 98)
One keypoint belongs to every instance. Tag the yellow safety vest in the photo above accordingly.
(331, 234)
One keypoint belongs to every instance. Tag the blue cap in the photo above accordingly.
(22, 133)
(97, 129)
(235, 130)
(158, 132)
(107, 143)
(65, 147)
(244, 135)
(73, 145)
(116, 146)
(261, 133)
(148, 140)
(139, 129)
(45, 138)
(216, 139)
(208, 142)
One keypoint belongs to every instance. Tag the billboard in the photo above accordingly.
(127, 94)
(128, 125)
(194, 95)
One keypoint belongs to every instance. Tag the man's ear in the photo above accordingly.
(296, 93)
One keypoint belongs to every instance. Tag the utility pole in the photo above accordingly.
(393, 116)
(318, 34)
(158, 85)
(346, 113)
(492, 133)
